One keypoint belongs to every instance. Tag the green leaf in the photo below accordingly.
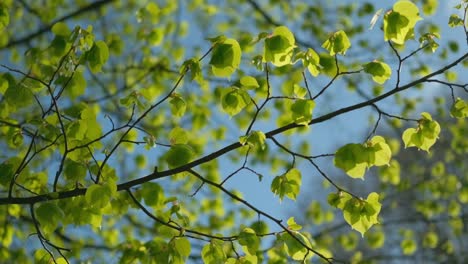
(195, 69)
(288, 184)
(254, 139)
(61, 29)
(178, 155)
(424, 136)
(408, 246)
(299, 91)
(459, 109)
(375, 239)
(178, 135)
(311, 60)
(213, 253)
(233, 100)
(4, 17)
(100, 195)
(225, 58)
(178, 105)
(97, 56)
(302, 110)
(455, 21)
(181, 247)
(399, 23)
(77, 85)
(48, 215)
(74, 171)
(249, 82)
(294, 248)
(337, 43)
(361, 215)
(248, 238)
(292, 225)
(380, 71)
(354, 159)
(279, 47)
(153, 194)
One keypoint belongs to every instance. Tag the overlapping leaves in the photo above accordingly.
(355, 159)
(360, 214)
(424, 135)
(400, 21)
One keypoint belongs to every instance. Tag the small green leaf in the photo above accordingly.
(294, 248)
(459, 109)
(48, 215)
(248, 238)
(4, 17)
(362, 214)
(153, 194)
(455, 21)
(100, 195)
(254, 139)
(424, 136)
(302, 110)
(337, 43)
(178, 155)
(181, 247)
(226, 57)
(292, 225)
(178, 135)
(249, 82)
(178, 105)
(233, 100)
(354, 159)
(311, 60)
(288, 184)
(61, 29)
(380, 71)
(299, 91)
(408, 246)
(213, 253)
(279, 47)
(97, 56)
(399, 23)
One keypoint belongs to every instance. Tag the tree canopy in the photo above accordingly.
(253, 131)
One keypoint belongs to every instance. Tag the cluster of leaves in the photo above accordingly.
(109, 129)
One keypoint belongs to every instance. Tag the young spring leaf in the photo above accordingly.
(213, 252)
(97, 56)
(311, 60)
(337, 43)
(178, 155)
(48, 215)
(400, 21)
(254, 139)
(288, 184)
(459, 109)
(4, 17)
(249, 240)
(354, 158)
(424, 136)
(302, 110)
(294, 248)
(362, 214)
(279, 47)
(225, 58)
(292, 225)
(234, 99)
(380, 71)
(249, 82)
(178, 105)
